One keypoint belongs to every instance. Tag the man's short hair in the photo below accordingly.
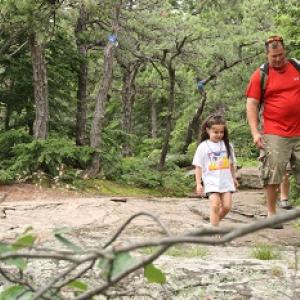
(274, 41)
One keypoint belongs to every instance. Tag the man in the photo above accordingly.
(281, 118)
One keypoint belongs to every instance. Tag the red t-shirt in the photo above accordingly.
(281, 100)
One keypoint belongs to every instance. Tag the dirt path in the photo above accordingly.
(95, 216)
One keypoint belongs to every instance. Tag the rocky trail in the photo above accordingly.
(222, 272)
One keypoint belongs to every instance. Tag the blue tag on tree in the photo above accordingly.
(200, 85)
(112, 38)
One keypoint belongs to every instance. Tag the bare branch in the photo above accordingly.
(119, 231)
(203, 236)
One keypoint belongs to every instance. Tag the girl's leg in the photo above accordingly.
(226, 204)
(215, 203)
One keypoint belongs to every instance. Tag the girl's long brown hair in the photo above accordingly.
(208, 123)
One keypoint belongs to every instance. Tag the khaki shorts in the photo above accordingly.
(278, 152)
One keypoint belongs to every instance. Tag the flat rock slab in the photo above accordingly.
(222, 272)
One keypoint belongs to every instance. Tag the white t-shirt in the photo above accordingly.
(216, 173)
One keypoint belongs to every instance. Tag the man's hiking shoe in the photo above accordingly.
(285, 204)
(277, 226)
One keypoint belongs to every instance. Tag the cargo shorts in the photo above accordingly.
(276, 156)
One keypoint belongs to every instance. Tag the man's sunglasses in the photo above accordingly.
(274, 38)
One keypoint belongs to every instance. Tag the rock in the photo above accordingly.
(249, 178)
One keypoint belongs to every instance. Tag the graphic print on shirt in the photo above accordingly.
(218, 160)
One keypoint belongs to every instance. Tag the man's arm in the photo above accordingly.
(252, 116)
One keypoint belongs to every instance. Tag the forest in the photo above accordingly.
(100, 93)
(117, 90)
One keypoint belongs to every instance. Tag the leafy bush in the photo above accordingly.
(49, 156)
(177, 182)
(240, 137)
(143, 173)
(8, 140)
(111, 163)
(6, 177)
(54, 157)
(147, 146)
(140, 172)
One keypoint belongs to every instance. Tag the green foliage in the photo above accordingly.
(59, 235)
(242, 141)
(6, 177)
(265, 252)
(122, 262)
(142, 172)
(147, 146)
(180, 251)
(114, 188)
(296, 225)
(15, 292)
(177, 182)
(9, 139)
(294, 193)
(25, 240)
(21, 156)
(49, 156)
(153, 274)
(78, 286)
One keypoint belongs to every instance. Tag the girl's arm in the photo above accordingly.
(198, 176)
(233, 173)
(232, 166)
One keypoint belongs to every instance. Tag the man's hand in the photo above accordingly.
(258, 141)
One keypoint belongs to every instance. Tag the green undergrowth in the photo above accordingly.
(247, 162)
(111, 188)
(265, 251)
(180, 251)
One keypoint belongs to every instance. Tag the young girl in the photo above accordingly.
(214, 161)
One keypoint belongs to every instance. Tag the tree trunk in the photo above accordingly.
(128, 93)
(193, 127)
(171, 101)
(40, 88)
(97, 123)
(81, 116)
(153, 119)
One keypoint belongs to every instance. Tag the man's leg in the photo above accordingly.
(285, 187)
(284, 192)
(271, 194)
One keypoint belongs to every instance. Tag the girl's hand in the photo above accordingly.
(199, 189)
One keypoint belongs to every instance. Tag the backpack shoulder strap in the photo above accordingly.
(263, 72)
(295, 63)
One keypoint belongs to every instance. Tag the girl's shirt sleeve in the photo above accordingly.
(199, 156)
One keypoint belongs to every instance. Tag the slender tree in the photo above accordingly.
(40, 87)
(81, 116)
(97, 123)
